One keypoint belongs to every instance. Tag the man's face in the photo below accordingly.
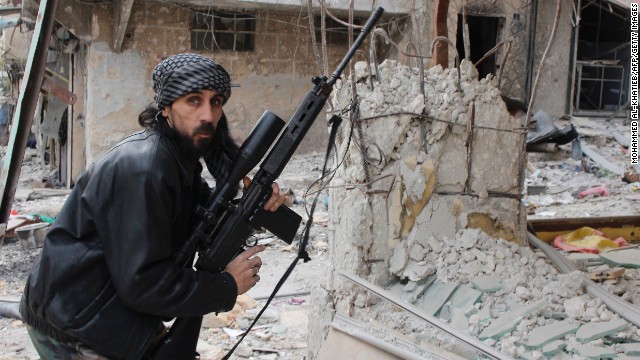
(195, 116)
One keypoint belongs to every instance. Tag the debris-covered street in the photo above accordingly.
(481, 196)
(281, 333)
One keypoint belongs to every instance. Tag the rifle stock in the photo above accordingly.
(227, 224)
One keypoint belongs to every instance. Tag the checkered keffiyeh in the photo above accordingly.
(181, 74)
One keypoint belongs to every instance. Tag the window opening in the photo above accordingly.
(337, 33)
(217, 30)
(602, 59)
(483, 36)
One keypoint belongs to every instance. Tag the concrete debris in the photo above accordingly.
(597, 330)
(543, 335)
(622, 257)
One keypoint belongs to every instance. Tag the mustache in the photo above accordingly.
(206, 128)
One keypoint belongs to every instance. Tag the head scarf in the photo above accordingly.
(181, 74)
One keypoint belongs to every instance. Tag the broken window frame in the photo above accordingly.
(337, 34)
(222, 31)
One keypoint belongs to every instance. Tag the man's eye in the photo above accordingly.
(216, 101)
(194, 101)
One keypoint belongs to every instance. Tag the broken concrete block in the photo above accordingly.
(543, 335)
(594, 352)
(508, 321)
(630, 349)
(597, 330)
(490, 283)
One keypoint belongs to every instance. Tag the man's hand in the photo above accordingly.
(274, 201)
(245, 267)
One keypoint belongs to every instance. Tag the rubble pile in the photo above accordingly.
(521, 280)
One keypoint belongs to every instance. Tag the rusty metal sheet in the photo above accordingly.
(50, 86)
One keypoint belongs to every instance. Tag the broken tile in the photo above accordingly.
(413, 290)
(594, 352)
(630, 349)
(508, 321)
(553, 347)
(464, 297)
(435, 296)
(597, 330)
(542, 335)
(459, 320)
(489, 283)
(629, 257)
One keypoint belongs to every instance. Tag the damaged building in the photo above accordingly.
(426, 215)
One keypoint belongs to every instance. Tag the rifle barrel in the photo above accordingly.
(366, 29)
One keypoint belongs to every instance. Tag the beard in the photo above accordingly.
(196, 147)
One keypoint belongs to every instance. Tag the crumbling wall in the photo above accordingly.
(419, 164)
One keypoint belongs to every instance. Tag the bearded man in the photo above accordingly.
(107, 279)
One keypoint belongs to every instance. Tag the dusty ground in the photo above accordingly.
(282, 332)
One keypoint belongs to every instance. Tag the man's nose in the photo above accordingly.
(209, 113)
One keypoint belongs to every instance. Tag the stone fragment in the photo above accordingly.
(489, 283)
(543, 335)
(597, 330)
(399, 259)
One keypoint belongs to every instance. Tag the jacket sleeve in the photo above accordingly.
(136, 206)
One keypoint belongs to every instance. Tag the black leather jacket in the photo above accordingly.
(106, 276)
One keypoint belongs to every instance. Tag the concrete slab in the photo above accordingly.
(508, 321)
(629, 257)
(545, 334)
(597, 330)
(435, 296)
